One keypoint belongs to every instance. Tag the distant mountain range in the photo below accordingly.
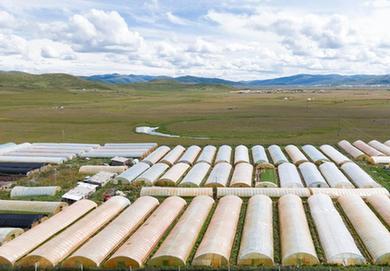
(304, 80)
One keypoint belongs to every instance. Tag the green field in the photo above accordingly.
(64, 108)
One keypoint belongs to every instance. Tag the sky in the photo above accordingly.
(236, 40)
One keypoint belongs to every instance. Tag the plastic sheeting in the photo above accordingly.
(91, 169)
(361, 145)
(190, 155)
(219, 175)
(19, 168)
(289, 176)
(150, 176)
(215, 247)
(380, 147)
(110, 150)
(132, 173)
(171, 157)
(334, 154)
(259, 155)
(297, 157)
(381, 205)
(277, 155)
(257, 237)
(224, 154)
(351, 150)
(176, 248)
(358, 176)
(81, 191)
(32, 159)
(134, 252)
(336, 241)
(24, 191)
(297, 244)
(314, 154)
(100, 179)
(20, 220)
(156, 155)
(23, 244)
(387, 142)
(207, 155)
(271, 192)
(242, 175)
(36, 207)
(361, 192)
(196, 175)
(311, 175)
(334, 177)
(175, 191)
(59, 247)
(241, 154)
(13, 147)
(379, 159)
(374, 235)
(8, 234)
(99, 247)
(173, 176)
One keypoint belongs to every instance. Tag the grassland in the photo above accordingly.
(58, 109)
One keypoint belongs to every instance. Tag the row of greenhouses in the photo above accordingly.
(202, 231)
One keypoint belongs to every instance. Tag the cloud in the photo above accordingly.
(7, 19)
(255, 40)
(98, 30)
(175, 19)
(12, 44)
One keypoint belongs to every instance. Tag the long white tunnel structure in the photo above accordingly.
(224, 154)
(358, 176)
(135, 250)
(196, 175)
(289, 176)
(151, 175)
(219, 175)
(173, 176)
(242, 175)
(374, 235)
(297, 244)
(297, 157)
(351, 150)
(381, 205)
(336, 241)
(241, 154)
(277, 155)
(31, 239)
(215, 247)
(176, 248)
(312, 176)
(257, 246)
(62, 245)
(207, 155)
(314, 154)
(92, 253)
(334, 177)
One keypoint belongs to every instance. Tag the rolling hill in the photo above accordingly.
(21, 80)
(302, 80)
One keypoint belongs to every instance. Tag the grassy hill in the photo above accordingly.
(26, 81)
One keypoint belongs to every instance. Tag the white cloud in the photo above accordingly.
(252, 41)
(101, 31)
(7, 19)
(175, 19)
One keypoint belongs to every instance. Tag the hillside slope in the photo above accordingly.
(21, 80)
(302, 80)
